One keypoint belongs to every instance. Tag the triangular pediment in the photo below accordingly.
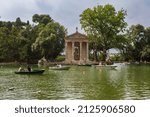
(76, 35)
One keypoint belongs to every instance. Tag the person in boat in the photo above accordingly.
(59, 66)
(29, 68)
(109, 61)
(21, 69)
(102, 63)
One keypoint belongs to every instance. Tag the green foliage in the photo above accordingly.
(17, 39)
(103, 24)
(22, 41)
(41, 19)
(117, 57)
(137, 46)
(145, 53)
(60, 58)
(50, 40)
(10, 42)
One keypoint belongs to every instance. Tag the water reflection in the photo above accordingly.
(126, 82)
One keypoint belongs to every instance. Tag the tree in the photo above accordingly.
(103, 24)
(10, 42)
(41, 19)
(50, 40)
(18, 22)
(145, 53)
(27, 38)
(147, 33)
(137, 40)
(17, 39)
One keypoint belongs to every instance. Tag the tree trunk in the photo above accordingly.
(104, 54)
(95, 55)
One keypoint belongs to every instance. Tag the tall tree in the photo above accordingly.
(50, 40)
(137, 37)
(103, 24)
(41, 19)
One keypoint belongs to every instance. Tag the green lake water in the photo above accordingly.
(87, 83)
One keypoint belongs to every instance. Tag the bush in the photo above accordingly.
(117, 57)
(60, 58)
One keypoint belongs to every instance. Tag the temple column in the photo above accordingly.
(66, 50)
(87, 50)
(72, 51)
(81, 51)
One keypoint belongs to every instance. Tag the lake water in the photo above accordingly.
(87, 83)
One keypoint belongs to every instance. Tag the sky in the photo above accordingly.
(67, 12)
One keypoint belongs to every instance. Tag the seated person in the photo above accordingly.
(29, 68)
(20, 69)
(59, 65)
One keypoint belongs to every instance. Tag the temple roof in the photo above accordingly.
(76, 35)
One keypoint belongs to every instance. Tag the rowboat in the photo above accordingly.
(106, 66)
(30, 72)
(60, 68)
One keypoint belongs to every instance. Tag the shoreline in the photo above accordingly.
(55, 63)
(9, 63)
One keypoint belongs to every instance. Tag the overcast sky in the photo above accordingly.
(67, 12)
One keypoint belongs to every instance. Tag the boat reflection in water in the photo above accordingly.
(59, 67)
(79, 82)
(106, 66)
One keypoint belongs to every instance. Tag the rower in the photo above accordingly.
(29, 68)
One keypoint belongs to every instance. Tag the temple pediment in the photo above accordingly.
(76, 35)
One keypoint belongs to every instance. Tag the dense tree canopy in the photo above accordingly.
(22, 41)
(50, 40)
(105, 27)
(103, 24)
(41, 19)
(138, 43)
(11, 40)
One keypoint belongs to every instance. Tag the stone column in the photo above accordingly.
(81, 51)
(87, 50)
(66, 50)
(72, 59)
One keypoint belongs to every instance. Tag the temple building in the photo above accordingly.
(76, 48)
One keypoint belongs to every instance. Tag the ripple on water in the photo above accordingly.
(127, 82)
